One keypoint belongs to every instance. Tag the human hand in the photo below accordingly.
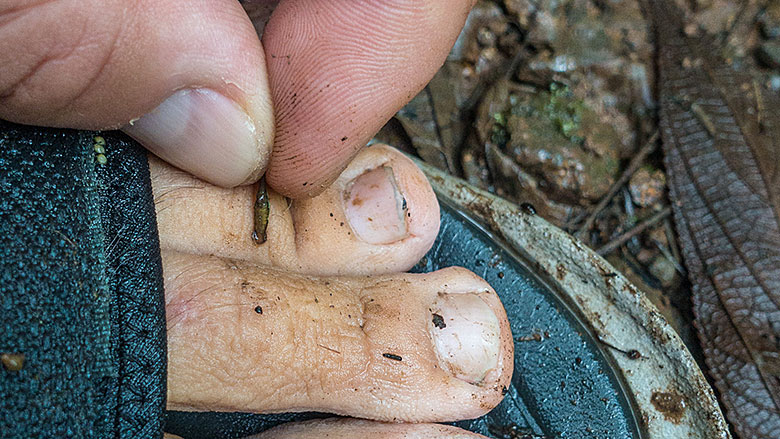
(193, 83)
(320, 317)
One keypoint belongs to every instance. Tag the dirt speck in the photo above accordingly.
(12, 361)
(560, 271)
(670, 404)
(392, 357)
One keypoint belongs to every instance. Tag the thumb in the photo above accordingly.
(186, 78)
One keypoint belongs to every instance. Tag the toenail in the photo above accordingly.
(466, 336)
(375, 208)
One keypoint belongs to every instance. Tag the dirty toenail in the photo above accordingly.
(375, 208)
(466, 336)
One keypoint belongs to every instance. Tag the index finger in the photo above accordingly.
(339, 70)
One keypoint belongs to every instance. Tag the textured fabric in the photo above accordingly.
(135, 281)
(80, 288)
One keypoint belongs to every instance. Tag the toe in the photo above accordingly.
(406, 347)
(360, 429)
(380, 216)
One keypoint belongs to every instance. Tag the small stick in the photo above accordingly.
(672, 239)
(759, 105)
(670, 257)
(639, 228)
(437, 127)
(631, 219)
(635, 163)
(631, 353)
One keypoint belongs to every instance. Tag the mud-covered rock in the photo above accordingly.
(602, 44)
(555, 137)
(769, 21)
(769, 54)
(647, 186)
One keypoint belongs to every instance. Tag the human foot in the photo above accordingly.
(251, 328)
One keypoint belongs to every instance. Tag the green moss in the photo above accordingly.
(559, 106)
(499, 135)
(565, 111)
(555, 134)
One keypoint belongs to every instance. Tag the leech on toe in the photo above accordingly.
(262, 210)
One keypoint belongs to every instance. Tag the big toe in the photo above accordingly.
(407, 347)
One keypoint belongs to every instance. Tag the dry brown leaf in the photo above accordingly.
(722, 145)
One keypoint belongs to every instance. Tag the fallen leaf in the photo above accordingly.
(722, 150)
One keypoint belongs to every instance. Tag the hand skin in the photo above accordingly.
(191, 80)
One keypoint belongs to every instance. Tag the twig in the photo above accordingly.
(635, 163)
(516, 60)
(436, 125)
(639, 228)
(671, 239)
(670, 257)
(631, 218)
(740, 20)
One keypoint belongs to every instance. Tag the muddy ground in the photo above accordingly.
(553, 102)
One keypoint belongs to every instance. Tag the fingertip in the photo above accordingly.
(339, 71)
(218, 121)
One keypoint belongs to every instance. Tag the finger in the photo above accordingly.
(339, 70)
(380, 216)
(186, 78)
(419, 348)
(360, 429)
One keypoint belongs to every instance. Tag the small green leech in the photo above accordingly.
(262, 210)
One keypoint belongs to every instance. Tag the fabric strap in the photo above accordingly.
(81, 291)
